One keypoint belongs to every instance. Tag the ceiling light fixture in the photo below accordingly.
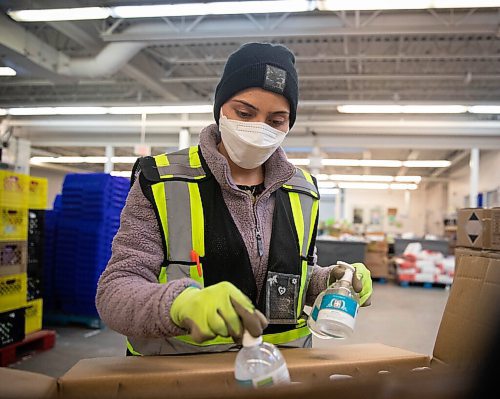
(121, 173)
(89, 159)
(402, 109)
(376, 163)
(214, 8)
(160, 109)
(235, 7)
(378, 186)
(351, 5)
(7, 71)
(328, 191)
(484, 109)
(60, 14)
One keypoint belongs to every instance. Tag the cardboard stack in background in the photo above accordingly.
(376, 259)
(471, 315)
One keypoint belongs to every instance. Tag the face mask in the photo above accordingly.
(249, 144)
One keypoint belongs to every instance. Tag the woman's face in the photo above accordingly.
(259, 105)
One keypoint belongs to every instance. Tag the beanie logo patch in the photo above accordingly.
(275, 79)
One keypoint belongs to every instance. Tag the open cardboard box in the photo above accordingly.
(463, 338)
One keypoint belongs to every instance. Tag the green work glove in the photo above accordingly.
(361, 281)
(218, 310)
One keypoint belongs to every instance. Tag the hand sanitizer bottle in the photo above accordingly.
(260, 364)
(334, 312)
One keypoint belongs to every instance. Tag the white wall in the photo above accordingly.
(55, 181)
(410, 212)
(489, 179)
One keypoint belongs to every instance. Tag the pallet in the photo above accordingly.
(381, 280)
(63, 319)
(423, 284)
(34, 342)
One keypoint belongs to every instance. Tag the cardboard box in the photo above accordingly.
(479, 228)
(21, 384)
(378, 246)
(204, 374)
(377, 263)
(469, 318)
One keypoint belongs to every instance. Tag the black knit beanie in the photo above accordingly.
(268, 66)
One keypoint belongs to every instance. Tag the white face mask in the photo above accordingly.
(249, 144)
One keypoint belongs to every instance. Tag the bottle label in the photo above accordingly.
(339, 308)
(278, 376)
(340, 303)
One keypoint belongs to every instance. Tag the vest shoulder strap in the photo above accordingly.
(303, 183)
(184, 165)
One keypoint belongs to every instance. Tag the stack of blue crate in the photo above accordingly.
(49, 254)
(88, 221)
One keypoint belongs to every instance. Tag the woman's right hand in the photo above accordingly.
(218, 310)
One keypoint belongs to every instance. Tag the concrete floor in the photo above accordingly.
(404, 317)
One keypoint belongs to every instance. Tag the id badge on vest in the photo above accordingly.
(282, 294)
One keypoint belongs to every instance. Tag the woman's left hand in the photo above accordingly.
(361, 281)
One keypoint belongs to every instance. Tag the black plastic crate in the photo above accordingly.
(36, 226)
(11, 326)
(35, 287)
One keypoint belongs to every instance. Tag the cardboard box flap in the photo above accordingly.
(185, 376)
(21, 384)
(469, 317)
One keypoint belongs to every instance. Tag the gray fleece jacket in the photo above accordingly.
(129, 298)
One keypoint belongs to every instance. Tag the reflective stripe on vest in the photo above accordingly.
(179, 200)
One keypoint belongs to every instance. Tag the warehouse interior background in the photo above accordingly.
(399, 119)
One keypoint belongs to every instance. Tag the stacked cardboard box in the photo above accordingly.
(376, 259)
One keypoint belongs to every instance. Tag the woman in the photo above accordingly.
(220, 238)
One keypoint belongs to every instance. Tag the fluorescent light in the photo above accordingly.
(408, 179)
(378, 186)
(370, 186)
(348, 5)
(326, 184)
(90, 159)
(328, 191)
(80, 110)
(59, 14)
(68, 160)
(402, 186)
(484, 109)
(402, 109)
(299, 161)
(427, 164)
(162, 109)
(3, 111)
(377, 178)
(7, 71)
(157, 109)
(215, 8)
(362, 162)
(32, 111)
(121, 173)
(124, 159)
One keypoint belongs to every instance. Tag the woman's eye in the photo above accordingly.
(277, 122)
(243, 114)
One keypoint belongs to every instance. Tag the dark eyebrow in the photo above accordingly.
(256, 109)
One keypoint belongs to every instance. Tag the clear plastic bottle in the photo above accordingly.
(260, 364)
(334, 312)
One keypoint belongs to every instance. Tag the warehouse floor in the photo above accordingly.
(404, 317)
